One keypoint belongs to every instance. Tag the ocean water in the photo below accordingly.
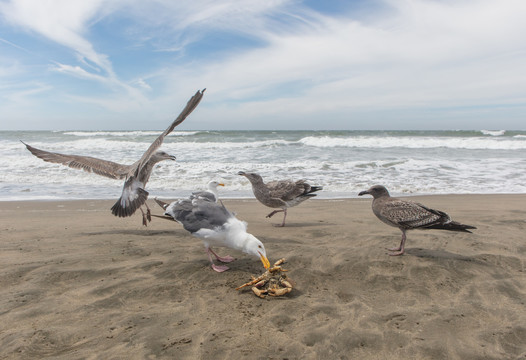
(344, 162)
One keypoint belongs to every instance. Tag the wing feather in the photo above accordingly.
(190, 106)
(133, 197)
(90, 164)
(286, 190)
(409, 214)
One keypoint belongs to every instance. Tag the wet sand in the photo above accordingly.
(79, 283)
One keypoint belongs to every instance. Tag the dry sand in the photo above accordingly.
(78, 283)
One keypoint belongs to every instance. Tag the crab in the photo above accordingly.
(277, 284)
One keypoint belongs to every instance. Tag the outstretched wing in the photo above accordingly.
(90, 164)
(190, 106)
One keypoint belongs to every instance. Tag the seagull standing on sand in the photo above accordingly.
(216, 226)
(280, 194)
(136, 175)
(211, 194)
(408, 215)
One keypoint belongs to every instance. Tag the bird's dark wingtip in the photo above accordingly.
(162, 204)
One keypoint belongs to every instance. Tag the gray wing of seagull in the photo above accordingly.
(407, 214)
(90, 164)
(203, 195)
(137, 174)
(197, 214)
(206, 215)
(190, 106)
(133, 193)
(288, 190)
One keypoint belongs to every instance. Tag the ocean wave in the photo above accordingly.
(471, 143)
(134, 143)
(493, 132)
(128, 133)
(125, 147)
(340, 179)
(343, 162)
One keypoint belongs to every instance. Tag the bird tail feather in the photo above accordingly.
(161, 203)
(315, 188)
(127, 207)
(452, 226)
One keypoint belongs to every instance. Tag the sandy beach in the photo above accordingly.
(79, 283)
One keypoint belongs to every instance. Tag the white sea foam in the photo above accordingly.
(128, 133)
(493, 132)
(409, 142)
(343, 163)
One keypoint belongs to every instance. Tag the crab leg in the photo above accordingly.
(256, 280)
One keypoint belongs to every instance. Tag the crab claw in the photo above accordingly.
(264, 260)
(259, 293)
(279, 292)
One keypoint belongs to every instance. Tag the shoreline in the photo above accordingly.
(77, 282)
(251, 197)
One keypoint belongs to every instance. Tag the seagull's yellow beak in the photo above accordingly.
(264, 260)
(221, 184)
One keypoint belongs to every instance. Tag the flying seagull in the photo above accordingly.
(211, 194)
(408, 215)
(216, 226)
(280, 194)
(136, 175)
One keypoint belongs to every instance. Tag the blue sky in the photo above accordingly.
(273, 64)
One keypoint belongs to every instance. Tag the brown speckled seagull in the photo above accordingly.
(136, 175)
(280, 194)
(408, 215)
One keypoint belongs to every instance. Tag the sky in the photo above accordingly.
(266, 65)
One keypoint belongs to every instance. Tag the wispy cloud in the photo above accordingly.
(417, 54)
(61, 21)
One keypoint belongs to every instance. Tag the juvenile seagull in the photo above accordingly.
(136, 175)
(216, 226)
(280, 194)
(210, 194)
(408, 215)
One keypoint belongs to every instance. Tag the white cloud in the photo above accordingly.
(62, 21)
(17, 94)
(143, 84)
(413, 55)
(421, 54)
(79, 72)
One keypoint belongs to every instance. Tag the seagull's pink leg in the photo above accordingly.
(400, 249)
(273, 213)
(218, 268)
(284, 217)
(224, 259)
(144, 222)
(148, 212)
